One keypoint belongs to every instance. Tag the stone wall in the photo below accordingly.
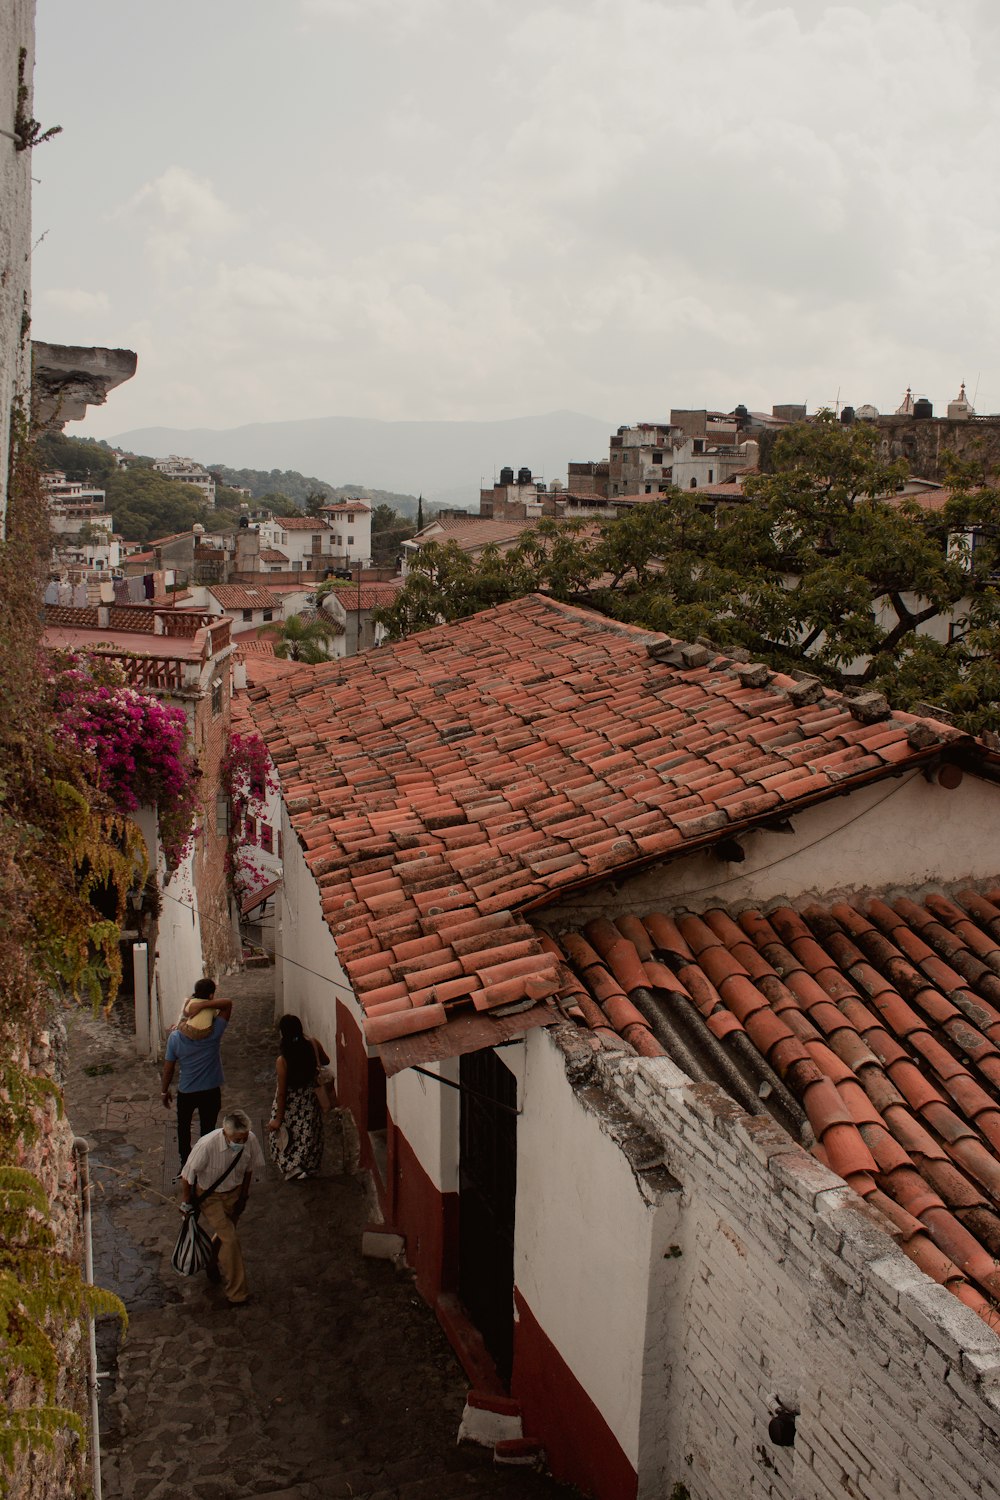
(926, 443)
(793, 1292)
(61, 1473)
(17, 30)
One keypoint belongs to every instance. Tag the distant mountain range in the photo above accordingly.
(444, 461)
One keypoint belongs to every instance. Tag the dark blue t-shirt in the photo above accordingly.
(200, 1062)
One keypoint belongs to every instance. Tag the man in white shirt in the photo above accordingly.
(231, 1153)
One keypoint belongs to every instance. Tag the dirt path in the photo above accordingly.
(336, 1381)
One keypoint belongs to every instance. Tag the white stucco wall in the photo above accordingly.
(17, 30)
(178, 932)
(898, 834)
(428, 1115)
(311, 977)
(585, 1241)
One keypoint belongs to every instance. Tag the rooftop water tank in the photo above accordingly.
(847, 415)
(922, 409)
(506, 475)
(524, 475)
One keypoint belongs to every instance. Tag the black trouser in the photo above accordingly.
(207, 1102)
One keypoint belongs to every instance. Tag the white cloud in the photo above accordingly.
(486, 207)
(179, 213)
(76, 300)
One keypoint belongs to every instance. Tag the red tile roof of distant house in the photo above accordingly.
(253, 643)
(370, 596)
(338, 507)
(240, 596)
(272, 555)
(469, 532)
(301, 523)
(447, 780)
(880, 1016)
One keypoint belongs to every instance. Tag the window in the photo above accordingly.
(699, 445)
(221, 818)
(251, 830)
(266, 838)
(657, 458)
(649, 489)
(350, 543)
(278, 837)
(283, 539)
(694, 482)
(350, 522)
(216, 697)
(248, 614)
(268, 614)
(710, 480)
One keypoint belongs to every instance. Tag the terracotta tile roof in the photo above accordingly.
(881, 1018)
(469, 532)
(373, 595)
(238, 596)
(337, 507)
(273, 555)
(301, 523)
(253, 643)
(451, 778)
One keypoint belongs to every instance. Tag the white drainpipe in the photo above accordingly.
(82, 1152)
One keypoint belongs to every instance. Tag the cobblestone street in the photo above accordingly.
(335, 1381)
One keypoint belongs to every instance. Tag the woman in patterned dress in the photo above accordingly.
(295, 1130)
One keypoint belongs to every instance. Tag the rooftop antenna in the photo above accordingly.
(974, 395)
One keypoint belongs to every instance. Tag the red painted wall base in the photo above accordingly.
(579, 1444)
(427, 1218)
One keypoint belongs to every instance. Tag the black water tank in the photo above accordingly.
(523, 477)
(507, 475)
(922, 409)
(847, 415)
(742, 416)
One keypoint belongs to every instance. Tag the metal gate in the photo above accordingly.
(487, 1186)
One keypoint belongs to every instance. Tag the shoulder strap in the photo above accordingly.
(221, 1179)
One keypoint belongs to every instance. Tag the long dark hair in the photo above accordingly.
(298, 1053)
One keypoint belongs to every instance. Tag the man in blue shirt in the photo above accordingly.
(200, 1061)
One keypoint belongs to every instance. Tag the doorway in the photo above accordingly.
(487, 1188)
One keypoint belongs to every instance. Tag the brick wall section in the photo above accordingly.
(42, 1475)
(794, 1290)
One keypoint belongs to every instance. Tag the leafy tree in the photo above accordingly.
(146, 505)
(78, 458)
(821, 565)
(305, 640)
(389, 531)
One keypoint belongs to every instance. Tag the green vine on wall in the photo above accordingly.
(28, 132)
(63, 848)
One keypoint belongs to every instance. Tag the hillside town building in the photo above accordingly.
(187, 471)
(663, 990)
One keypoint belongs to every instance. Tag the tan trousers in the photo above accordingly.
(217, 1214)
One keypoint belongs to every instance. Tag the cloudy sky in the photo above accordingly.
(492, 208)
